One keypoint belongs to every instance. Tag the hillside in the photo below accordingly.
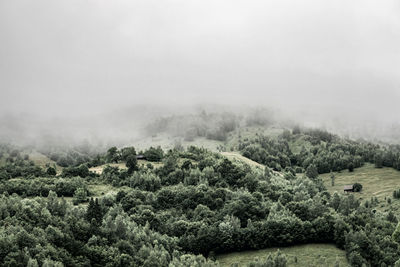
(312, 255)
(271, 189)
(377, 183)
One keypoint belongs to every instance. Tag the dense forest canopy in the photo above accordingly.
(183, 206)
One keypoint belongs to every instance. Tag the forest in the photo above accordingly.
(199, 133)
(184, 206)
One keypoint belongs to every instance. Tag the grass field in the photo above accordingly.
(307, 255)
(99, 169)
(122, 166)
(237, 156)
(98, 190)
(42, 160)
(376, 182)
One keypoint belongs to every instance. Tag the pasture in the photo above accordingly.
(301, 255)
(376, 182)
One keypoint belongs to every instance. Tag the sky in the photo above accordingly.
(73, 58)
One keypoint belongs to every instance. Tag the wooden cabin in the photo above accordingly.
(348, 188)
(141, 157)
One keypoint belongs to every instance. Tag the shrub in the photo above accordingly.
(154, 154)
(357, 187)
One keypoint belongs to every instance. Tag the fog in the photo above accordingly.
(99, 69)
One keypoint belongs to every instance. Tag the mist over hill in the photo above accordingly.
(128, 126)
(101, 71)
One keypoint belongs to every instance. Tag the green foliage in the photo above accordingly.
(195, 203)
(154, 154)
(396, 194)
(51, 171)
(296, 130)
(351, 167)
(82, 171)
(131, 163)
(42, 186)
(396, 234)
(68, 157)
(272, 260)
(94, 212)
(145, 181)
(127, 152)
(80, 195)
(378, 160)
(357, 187)
(312, 172)
(191, 260)
(113, 155)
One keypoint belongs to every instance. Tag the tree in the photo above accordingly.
(51, 263)
(154, 154)
(396, 234)
(51, 171)
(4, 175)
(81, 170)
(94, 211)
(378, 160)
(112, 155)
(267, 173)
(131, 163)
(32, 263)
(296, 130)
(351, 167)
(357, 187)
(126, 152)
(80, 195)
(312, 171)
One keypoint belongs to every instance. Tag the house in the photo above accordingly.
(348, 188)
(141, 157)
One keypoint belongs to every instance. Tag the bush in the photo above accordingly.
(80, 196)
(312, 172)
(357, 187)
(154, 154)
(351, 167)
(51, 171)
(396, 194)
(82, 171)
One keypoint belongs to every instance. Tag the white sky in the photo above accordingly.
(87, 56)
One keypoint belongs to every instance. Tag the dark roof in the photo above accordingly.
(348, 187)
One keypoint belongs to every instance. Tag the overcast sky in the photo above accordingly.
(87, 56)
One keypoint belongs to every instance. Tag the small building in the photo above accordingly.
(348, 188)
(141, 157)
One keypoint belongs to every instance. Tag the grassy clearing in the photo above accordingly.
(122, 166)
(99, 169)
(97, 190)
(307, 255)
(237, 156)
(42, 160)
(376, 182)
(145, 162)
